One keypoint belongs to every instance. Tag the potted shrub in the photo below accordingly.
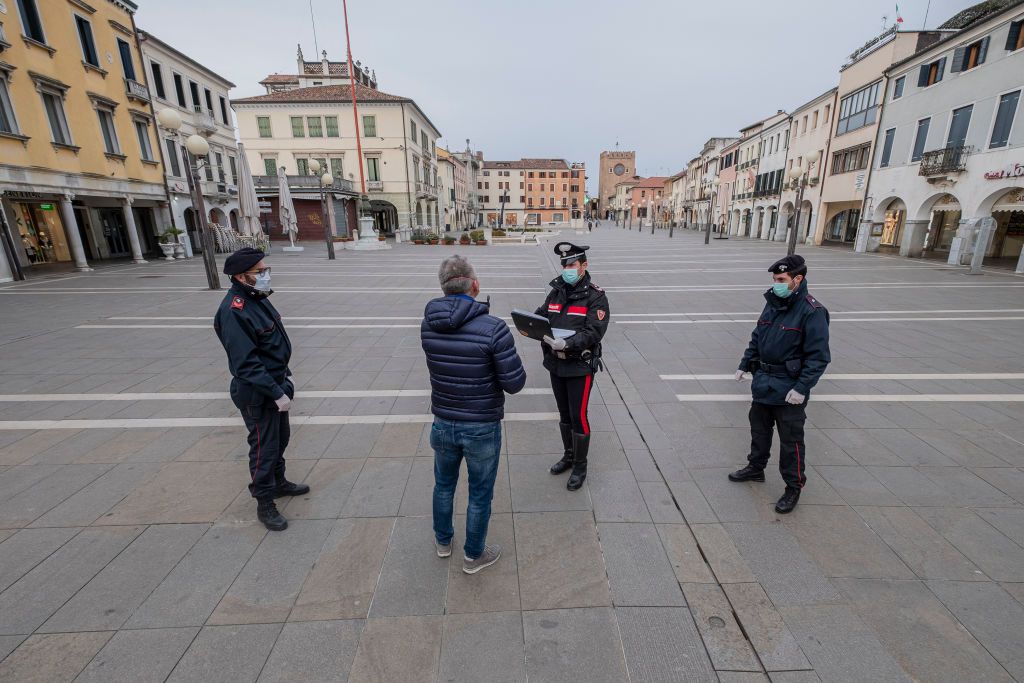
(170, 245)
(498, 232)
(464, 239)
(477, 237)
(418, 237)
(433, 238)
(449, 240)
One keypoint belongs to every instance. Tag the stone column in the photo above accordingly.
(913, 238)
(133, 231)
(67, 214)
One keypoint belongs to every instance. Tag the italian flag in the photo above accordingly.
(899, 18)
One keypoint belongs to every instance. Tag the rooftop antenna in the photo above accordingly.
(885, 22)
(313, 21)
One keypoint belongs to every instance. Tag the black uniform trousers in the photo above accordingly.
(269, 433)
(789, 420)
(572, 394)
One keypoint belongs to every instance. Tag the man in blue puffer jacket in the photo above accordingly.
(472, 360)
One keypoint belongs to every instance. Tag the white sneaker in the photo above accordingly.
(488, 557)
(443, 550)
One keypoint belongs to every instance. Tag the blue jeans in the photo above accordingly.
(480, 444)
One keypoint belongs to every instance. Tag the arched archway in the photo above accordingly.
(385, 216)
(233, 219)
(806, 221)
(217, 217)
(943, 213)
(734, 222)
(419, 215)
(1006, 206)
(192, 228)
(892, 214)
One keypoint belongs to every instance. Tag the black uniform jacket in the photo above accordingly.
(789, 347)
(258, 348)
(582, 307)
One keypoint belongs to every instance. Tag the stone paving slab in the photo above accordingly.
(138, 656)
(493, 590)
(313, 651)
(398, 649)
(762, 624)
(226, 653)
(483, 646)
(582, 641)
(52, 658)
(552, 577)
(662, 644)
(413, 580)
(639, 571)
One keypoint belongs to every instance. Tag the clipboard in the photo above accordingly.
(537, 326)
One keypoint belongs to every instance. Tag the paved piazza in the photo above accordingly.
(130, 550)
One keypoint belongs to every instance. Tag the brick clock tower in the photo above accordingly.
(615, 167)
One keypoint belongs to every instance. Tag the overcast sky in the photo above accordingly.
(555, 78)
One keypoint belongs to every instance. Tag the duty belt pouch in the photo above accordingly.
(793, 368)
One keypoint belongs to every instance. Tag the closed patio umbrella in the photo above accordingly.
(248, 203)
(287, 208)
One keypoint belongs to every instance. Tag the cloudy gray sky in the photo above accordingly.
(559, 78)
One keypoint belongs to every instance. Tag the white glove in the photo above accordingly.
(283, 403)
(740, 375)
(555, 344)
(291, 379)
(794, 397)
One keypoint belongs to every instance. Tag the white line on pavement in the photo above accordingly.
(217, 395)
(876, 376)
(210, 326)
(868, 398)
(832, 312)
(298, 420)
(836, 320)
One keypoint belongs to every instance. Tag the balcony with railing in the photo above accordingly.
(426, 190)
(300, 182)
(951, 159)
(136, 90)
(204, 121)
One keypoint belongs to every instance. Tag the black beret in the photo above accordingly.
(787, 264)
(567, 251)
(242, 260)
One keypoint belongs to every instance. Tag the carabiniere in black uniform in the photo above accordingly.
(580, 306)
(787, 354)
(258, 350)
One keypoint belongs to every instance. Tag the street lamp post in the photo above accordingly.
(801, 177)
(630, 209)
(672, 216)
(326, 180)
(711, 211)
(501, 214)
(197, 146)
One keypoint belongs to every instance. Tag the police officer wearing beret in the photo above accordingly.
(577, 304)
(262, 386)
(787, 354)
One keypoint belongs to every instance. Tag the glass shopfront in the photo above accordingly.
(942, 230)
(40, 231)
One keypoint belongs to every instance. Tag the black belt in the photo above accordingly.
(772, 369)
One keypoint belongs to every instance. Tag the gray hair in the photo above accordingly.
(456, 275)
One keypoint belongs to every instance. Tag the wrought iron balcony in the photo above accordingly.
(952, 159)
(426, 190)
(270, 182)
(136, 90)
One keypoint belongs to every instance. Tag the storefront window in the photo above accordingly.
(942, 230)
(42, 233)
(843, 226)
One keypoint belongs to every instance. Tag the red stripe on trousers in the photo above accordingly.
(583, 405)
(799, 477)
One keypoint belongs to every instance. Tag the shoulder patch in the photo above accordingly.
(813, 302)
(237, 302)
(596, 287)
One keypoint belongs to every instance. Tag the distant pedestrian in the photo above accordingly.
(262, 386)
(590, 226)
(787, 354)
(473, 362)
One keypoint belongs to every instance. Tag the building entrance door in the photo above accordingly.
(115, 232)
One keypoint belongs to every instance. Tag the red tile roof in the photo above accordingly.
(530, 164)
(324, 93)
(656, 181)
(280, 78)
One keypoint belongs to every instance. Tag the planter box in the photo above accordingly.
(481, 243)
(418, 242)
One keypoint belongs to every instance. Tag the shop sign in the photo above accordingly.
(1014, 171)
(23, 195)
(46, 207)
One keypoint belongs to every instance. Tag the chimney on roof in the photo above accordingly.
(324, 63)
(300, 60)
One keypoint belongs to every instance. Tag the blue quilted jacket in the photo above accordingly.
(472, 360)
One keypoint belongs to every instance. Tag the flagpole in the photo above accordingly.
(355, 105)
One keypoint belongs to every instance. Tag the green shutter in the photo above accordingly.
(298, 128)
(332, 126)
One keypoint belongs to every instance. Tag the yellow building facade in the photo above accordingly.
(81, 175)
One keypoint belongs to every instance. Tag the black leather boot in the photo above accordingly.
(287, 488)
(580, 448)
(266, 512)
(565, 463)
(788, 501)
(748, 473)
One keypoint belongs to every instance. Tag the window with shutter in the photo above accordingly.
(958, 59)
(1015, 39)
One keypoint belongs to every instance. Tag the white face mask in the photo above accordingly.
(262, 283)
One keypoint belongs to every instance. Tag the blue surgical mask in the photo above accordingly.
(571, 276)
(781, 289)
(262, 283)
